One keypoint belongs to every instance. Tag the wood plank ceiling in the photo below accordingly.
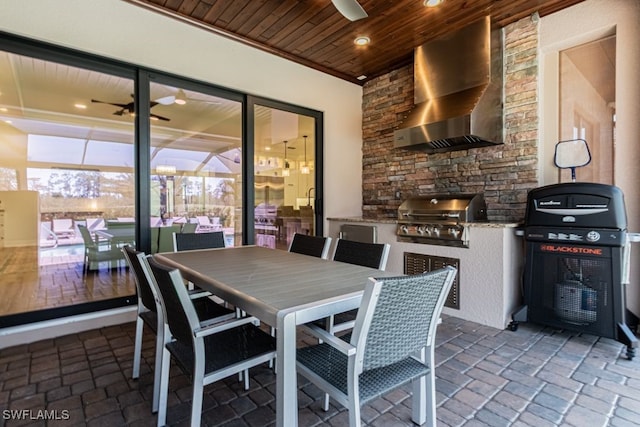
(314, 33)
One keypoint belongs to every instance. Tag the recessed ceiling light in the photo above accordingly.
(4, 110)
(362, 77)
(80, 106)
(362, 40)
(432, 3)
(8, 122)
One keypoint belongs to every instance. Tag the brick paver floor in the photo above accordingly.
(535, 376)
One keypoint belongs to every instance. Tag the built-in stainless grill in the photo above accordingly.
(440, 219)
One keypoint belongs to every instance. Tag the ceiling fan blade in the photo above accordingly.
(110, 103)
(159, 117)
(350, 9)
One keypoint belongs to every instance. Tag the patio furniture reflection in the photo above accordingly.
(205, 224)
(63, 227)
(96, 252)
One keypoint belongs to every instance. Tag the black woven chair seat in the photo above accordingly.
(331, 365)
(225, 348)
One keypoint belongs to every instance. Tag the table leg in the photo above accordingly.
(286, 381)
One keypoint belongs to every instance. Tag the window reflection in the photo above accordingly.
(284, 176)
(196, 164)
(66, 166)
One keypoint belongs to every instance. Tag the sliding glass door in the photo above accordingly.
(284, 176)
(196, 165)
(95, 155)
(66, 168)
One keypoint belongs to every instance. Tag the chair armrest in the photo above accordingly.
(198, 293)
(343, 326)
(336, 342)
(220, 324)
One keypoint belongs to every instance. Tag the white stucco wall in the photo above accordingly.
(584, 22)
(122, 31)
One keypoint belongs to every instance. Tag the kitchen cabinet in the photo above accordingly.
(490, 272)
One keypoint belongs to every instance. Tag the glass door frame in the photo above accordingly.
(248, 156)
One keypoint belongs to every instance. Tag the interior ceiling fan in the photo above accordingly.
(129, 109)
(350, 9)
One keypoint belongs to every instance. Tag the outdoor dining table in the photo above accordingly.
(280, 288)
(118, 235)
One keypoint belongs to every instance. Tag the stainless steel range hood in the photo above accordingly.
(457, 92)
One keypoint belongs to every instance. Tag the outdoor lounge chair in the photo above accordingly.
(63, 227)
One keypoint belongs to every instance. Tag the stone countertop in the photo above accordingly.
(359, 219)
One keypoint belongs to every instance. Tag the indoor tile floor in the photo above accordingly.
(535, 376)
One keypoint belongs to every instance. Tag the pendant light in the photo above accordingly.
(304, 169)
(285, 170)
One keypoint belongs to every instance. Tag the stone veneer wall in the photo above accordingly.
(503, 173)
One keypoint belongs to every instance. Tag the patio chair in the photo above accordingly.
(63, 227)
(310, 245)
(189, 227)
(95, 223)
(191, 241)
(155, 237)
(206, 352)
(205, 224)
(165, 237)
(150, 314)
(392, 344)
(96, 252)
(372, 255)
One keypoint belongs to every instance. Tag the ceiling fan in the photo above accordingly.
(129, 109)
(350, 9)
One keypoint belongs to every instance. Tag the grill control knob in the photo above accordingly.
(454, 232)
(404, 229)
(436, 231)
(421, 229)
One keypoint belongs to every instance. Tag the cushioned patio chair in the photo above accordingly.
(96, 252)
(316, 246)
(191, 241)
(391, 345)
(206, 352)
(150, 314)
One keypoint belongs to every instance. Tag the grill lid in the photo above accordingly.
(576, 204)
(444, 207)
